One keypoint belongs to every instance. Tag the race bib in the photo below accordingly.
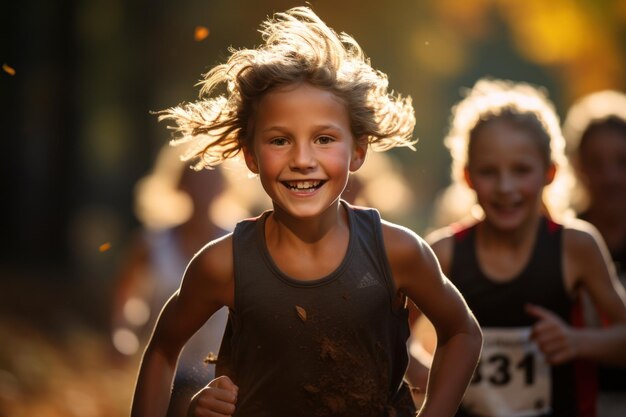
(512, 379)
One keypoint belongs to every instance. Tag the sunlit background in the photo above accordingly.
(78, 82)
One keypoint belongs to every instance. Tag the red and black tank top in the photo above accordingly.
(499, 309)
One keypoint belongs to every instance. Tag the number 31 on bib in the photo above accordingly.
(512, 379)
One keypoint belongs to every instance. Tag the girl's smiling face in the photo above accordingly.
(303, 148)
(508, 171)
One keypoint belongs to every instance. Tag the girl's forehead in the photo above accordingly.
(504, 140)
(604, 137)
(301, 102)
(503, 128)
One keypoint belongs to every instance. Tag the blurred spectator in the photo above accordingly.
(174, 204)
(595, 130)
(380, 183)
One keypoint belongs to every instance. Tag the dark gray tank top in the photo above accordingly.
(332, 346)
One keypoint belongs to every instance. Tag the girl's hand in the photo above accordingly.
(554, 337)
(217, 399)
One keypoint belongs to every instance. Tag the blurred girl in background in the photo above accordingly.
(521, 262)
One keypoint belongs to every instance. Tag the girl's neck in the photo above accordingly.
(319, 244)
(492, 236)
(298, 231)
(503, 255)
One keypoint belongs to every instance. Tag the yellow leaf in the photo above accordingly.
(104, 247)
(9, 70)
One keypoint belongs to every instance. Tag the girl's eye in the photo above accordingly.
(324, 140)
(522, 169)
(486, 172)
(280, 141)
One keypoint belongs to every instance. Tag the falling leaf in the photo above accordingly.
(311, 388)
(9, 70)
(211, 358)
(201, 33)
(104, 247)
(301, 313)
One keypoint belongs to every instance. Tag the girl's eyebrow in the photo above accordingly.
(273, 128)
(328, 126)
(316, 128)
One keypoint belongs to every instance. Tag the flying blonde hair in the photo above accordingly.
(298, 47)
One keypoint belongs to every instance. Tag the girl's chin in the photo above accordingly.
(507, 218)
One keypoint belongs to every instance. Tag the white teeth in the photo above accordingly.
(303, 185)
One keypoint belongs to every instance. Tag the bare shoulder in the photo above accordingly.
(211, 271)
(396, 231)
(206, 287)
(442, 242)
(418, 275)
(580, 236)
(409, 255)
(216, 257)
(586, 258)
(400, 241)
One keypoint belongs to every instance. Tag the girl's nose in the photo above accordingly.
(303, 157)
(505, 183)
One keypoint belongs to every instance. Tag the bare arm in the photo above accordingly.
(588, 268)
(418, 275)
(206, 287)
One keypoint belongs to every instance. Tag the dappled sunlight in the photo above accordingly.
(125, 341)
(243, 195)
(472, 18)
(438, 50)
(579, 40)
(381, 184)
(68, 375)
(79, 89)
(549, 32)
